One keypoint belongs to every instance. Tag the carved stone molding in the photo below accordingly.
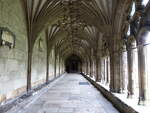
(7, 37)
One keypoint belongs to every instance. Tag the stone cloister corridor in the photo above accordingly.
(70, 94)
(74, 56)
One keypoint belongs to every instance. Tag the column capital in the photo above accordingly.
(122, 45)
(131, 42)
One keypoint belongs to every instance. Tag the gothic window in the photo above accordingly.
(7, 38)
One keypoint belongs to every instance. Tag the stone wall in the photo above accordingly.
(13, 62)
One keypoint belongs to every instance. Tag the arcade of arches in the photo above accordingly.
(106, 40)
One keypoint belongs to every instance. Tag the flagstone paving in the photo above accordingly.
(72, 93)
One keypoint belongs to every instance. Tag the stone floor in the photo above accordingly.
(71, 93)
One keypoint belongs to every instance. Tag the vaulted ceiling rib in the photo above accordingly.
(72, 25)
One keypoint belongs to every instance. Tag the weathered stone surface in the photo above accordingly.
(121, 106)
(68, 96)
(13, 62)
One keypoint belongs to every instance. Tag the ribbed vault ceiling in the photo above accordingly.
(75, 26)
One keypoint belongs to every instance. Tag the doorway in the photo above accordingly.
(73, 64)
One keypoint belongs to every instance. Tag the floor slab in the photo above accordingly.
(70, 94)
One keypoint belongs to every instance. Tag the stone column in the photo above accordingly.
(97, 69)
(112, 79)
(115, 65)
(123, 66)
(142, 74)
(117, 76)
(87, 67)
(84, 68)
(93, 66)
(130, 57)
(143, 60)
(90, 67)
(59, 66)
(80, 65)
(123, 71)
(55, 65)
(104, 70)
(107, 66)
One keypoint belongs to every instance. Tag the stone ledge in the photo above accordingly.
(117, 103)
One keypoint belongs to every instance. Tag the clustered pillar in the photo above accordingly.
(144, 76)
(130, 57)
(123, 67)
(118, 67)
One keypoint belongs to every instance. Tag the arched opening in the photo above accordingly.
(73, 64)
